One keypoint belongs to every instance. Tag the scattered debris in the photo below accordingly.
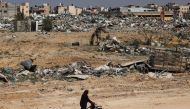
(160, 75)
(3, 78)
(75, 44)
(112, 44)
(28, 65)
(80, 77)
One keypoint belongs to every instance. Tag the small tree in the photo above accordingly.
(47, 24)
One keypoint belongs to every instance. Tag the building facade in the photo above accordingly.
(131, 9)
(144, 12)
(7, 9)
(24, 8)
(71, 9)
(152, 6)
(61, 9)
(42, 9)
(23, 26)
(183, 10)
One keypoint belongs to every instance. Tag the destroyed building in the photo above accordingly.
(43, 9)
(70, 9)
(23, 26)
(24, 9)
(7, 9)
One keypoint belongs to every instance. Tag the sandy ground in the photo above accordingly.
(54, 49)
(133, 91)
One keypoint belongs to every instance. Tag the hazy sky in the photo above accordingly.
(106, 3)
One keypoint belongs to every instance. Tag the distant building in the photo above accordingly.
(183, 10)
(61, 9)
(74, 10)
(24, 8)
(171, 6)
(71, 9)
(131, 9)
(7, 9)
(42, 9)
(100, 9)
(143, 12)
(93, 10)
(78, 11)
(186, 15)
(152, 6)
(159, 8)
(140, 9)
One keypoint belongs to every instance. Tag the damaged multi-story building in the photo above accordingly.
(70, 9)
(7, 9)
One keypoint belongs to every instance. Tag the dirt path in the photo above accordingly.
(130, 92)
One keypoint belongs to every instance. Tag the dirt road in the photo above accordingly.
(133, 91)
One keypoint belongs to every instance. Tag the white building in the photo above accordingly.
(132, 9)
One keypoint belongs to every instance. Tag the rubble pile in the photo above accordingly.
(6, 23)
(114, 45)
(85, 23)
(81, 23)
(78, 70)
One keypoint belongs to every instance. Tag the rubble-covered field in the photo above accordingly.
(124, 87)
(55, 49)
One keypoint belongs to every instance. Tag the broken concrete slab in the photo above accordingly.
(80, 77)
(164, 75)
(3, 78)
(25, 73)
(128, 64)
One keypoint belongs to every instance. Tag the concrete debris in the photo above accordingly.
(8, 74)
(7, 23)
(86, 23)
(28, 65)
(25, 73)
(3, 78)
(80, 77)
(75, 44)
(110, 69)
(166, 75)
(81, 71)
(113, 45)
(160, 75)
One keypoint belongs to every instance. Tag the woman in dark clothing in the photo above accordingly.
(84, 100)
